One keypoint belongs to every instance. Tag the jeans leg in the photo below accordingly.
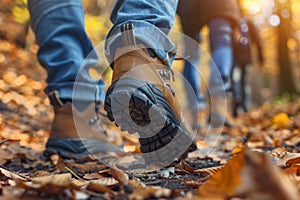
(222, 54)
(190, 71)
(152, 21)
(63, 47)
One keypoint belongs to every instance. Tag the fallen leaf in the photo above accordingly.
(249, 175)
(209, 171)
(285, 158)
(119, 175)
(86, 167)
(12, 175)
(185, 167)
(20, 80)
(268, 141)
(97, 186)
(280, 120)
(53, 179)
(51, 184)
(92, 176)
(5, 156)
(142, 192)
(78, 183)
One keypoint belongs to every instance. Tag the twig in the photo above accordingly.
(73, 173)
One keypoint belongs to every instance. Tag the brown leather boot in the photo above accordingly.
(140, 99)
(76, 133)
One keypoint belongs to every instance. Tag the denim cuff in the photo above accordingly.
(147, 34)
(80, 92)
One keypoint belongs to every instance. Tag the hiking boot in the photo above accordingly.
(76, 133)
(140, 99)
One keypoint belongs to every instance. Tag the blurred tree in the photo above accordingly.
(284, 30)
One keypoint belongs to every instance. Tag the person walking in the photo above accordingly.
(221, 16)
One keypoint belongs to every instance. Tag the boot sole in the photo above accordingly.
(139, 106)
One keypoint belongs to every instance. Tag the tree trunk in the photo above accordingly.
(286, 80)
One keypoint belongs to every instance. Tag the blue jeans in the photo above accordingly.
(220, 67)
(64, 44)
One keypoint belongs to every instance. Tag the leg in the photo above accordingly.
(222, 57)
(235, 91)
(152, 22)
(243, 87)
(63, 46)
(222, 53)
(140, 98)
(195, 98)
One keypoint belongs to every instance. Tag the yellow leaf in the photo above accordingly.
(236, 150)
(20, 15)
(280, 119)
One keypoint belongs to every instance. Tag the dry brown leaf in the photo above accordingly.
(19, 136)
(224, 182)
(268, 141)
(52, 184)
(20, 80)
(293, 174)
(5, 156)
(10, 77)
(119, 175)
(98, 186)
(87, 166)
(204, 171)
(209, 171)
(285, 158)
(192, 183)
(92, 176)
(13, 175)
(53, 179)
(3, 86)
(140, 191)
(293, 141)
(250, 175)
(78, 183)
(186, 167)
(58, 162)
(39, 173)
(12, 193)
(34, 84)
(263, 180)
(106, 181)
